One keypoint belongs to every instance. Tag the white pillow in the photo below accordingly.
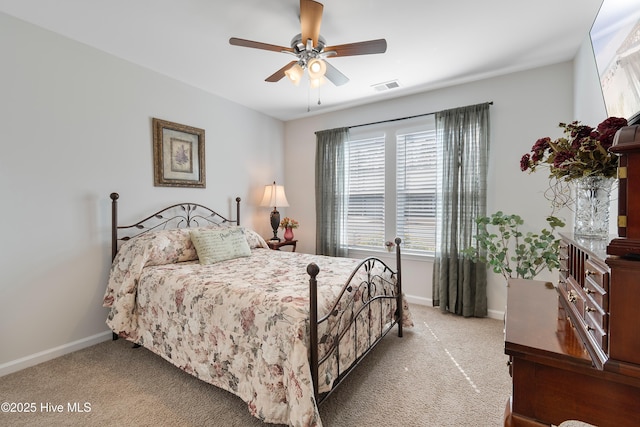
(219, 245)
(254, 239)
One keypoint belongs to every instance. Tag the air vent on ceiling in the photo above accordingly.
(386, 85)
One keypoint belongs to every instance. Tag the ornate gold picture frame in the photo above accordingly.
(178, 155)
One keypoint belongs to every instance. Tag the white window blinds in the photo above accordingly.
(392, 193)
(366, 182)
(416, 159)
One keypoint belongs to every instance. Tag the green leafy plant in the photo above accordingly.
(502, 245)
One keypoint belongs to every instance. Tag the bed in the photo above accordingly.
(278, 329)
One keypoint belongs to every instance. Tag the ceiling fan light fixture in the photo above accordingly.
(310, 49)
(316, 68)
(295, 74)
(316, 82)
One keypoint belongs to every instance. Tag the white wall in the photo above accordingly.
(589, 104)
(527, 105)
(76, 126)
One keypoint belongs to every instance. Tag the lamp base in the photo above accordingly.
(275, 223)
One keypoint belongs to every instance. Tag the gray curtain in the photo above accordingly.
(331, 190)
(459, 284)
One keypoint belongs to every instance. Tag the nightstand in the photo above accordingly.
(275, 245)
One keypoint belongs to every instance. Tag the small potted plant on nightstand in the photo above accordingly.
(288, 224)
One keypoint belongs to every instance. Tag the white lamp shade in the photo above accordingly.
(295, 74)
(316, 68)
(274, 196)
(314, 83)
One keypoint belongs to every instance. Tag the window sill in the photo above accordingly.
(390, 255)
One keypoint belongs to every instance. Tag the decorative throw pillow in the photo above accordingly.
(254, 239)
(168, 246)
(219, 245)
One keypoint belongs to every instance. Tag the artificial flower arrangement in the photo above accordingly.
(288, 223)
(583, 151)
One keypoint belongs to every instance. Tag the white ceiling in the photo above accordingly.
(431, 44)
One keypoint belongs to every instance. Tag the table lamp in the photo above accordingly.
(274, 196)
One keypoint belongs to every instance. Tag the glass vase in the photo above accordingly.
(593, 197)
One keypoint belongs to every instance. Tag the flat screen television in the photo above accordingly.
(615, 38)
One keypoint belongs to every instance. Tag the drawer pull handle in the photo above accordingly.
(590, 328)
(572, 296)
(589, 273)
(587, 290)
(588, 309)
(562, 281)
(564, 270)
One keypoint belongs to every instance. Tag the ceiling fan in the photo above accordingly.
(310, 50)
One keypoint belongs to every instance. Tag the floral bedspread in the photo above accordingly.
(242, 324)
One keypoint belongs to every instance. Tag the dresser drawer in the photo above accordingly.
(563, 259)
(596, 293)
(575, 296)
(562, 283)
(596, 274)
(596, 331)
(595, 311)
(584, 285)
(563, 256)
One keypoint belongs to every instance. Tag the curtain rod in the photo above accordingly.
(400, 118)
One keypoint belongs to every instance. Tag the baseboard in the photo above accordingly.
(419, 300)
(492, 314)
(43, 356)
(495, 314)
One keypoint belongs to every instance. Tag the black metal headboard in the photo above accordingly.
(180, 215)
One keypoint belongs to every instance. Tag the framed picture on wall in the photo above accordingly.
(178, 155)
(614, 39)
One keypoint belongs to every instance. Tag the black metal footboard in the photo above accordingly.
(354, 305)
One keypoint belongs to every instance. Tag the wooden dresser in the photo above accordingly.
(574, 346)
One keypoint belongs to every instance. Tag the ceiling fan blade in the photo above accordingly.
(280, 73)
(310, 20)
(334, 76)
(360, 48)
(258, 45)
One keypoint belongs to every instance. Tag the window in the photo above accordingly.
(365, 184)
(416, 190)
(391, 182)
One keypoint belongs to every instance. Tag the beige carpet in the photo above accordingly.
(446, 371)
